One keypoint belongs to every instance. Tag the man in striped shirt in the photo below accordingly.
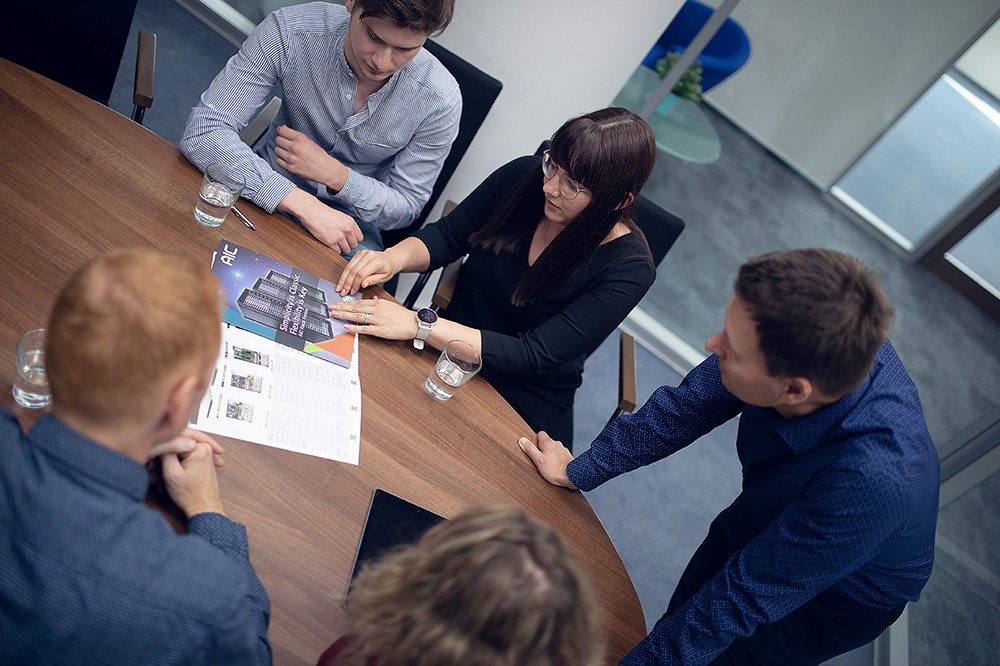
(367, 119)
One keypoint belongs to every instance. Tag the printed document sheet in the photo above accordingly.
(267, 393)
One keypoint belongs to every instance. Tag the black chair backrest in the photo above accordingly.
(479, 91)
(660, 228)
(78, 44)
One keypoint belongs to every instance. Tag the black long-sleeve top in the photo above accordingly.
(533, 355)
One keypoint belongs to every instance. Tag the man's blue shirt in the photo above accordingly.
(90, 575)
(848, 496)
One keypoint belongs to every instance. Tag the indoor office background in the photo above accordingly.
(864, 127)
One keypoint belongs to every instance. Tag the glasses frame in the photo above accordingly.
(568, 188)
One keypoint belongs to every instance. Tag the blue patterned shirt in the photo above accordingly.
(394, 146)
(91, 575)
(848, 496)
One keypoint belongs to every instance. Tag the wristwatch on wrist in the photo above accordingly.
(426, 318)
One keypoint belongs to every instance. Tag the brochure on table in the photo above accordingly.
(265, 392)
(281, 303)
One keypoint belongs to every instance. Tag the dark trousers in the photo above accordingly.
(813, 633)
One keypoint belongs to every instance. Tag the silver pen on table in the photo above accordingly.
(243, 218)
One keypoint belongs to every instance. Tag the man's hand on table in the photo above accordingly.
(550, 457)
(330, 226)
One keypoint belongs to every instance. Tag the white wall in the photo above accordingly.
(826, 76)
(555, 58)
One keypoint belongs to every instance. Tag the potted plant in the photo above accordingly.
(688, 87)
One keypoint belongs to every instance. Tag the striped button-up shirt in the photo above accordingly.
(394, 146)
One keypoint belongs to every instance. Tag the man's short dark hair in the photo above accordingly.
(429, 16)
(820, 314)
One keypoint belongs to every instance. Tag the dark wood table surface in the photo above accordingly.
(77, 179)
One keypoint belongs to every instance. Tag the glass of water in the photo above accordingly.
(458, 363)
(31, 385)
(219, 191)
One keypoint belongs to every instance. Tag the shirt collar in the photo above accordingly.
(805, 433)
(340, 59)
(86, 459)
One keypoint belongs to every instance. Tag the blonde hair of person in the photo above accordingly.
(491, 587)
(123, 326)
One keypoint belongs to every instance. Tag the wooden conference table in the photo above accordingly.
(77, 179)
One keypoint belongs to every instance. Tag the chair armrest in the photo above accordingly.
(145, 65)
(446, 285)
(626, 374)
(626, 377)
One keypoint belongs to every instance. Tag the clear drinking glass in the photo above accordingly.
(219, 191)
(31, 385)
(458, 363)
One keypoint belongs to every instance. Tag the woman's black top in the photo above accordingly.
(533, 355)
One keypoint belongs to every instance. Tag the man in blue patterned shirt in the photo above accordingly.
(367, 119)
(90, 574)
(833, 531)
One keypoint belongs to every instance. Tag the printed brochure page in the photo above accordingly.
(265, 392)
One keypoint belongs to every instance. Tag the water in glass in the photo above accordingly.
(446, 378)
(213, 204)
(31, 385)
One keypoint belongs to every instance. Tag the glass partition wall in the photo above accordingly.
(923, 201)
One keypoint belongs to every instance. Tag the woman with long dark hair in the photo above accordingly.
(555, 263)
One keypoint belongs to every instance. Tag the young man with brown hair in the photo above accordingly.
(91, 575)
(833, 532)
(367, 120)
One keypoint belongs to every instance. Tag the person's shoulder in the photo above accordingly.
(426, 72)
(312, 17)
(507, 176)
(887, 420)
(628, 257)
(890, 381)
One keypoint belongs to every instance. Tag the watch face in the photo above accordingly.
(427, 316)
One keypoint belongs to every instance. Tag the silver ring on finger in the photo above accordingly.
(368, 316)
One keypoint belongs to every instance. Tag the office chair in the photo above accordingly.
(145, 66)
(479, 92)
(78, 44)
(253, 132)
(661, 229)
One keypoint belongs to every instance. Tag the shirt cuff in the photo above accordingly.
(271, 193)
(353, 189)
(220, 532)
(583, 473)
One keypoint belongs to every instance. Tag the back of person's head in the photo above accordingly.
(428, 16)
(820, 314)
(491, 587)
(123, 326)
